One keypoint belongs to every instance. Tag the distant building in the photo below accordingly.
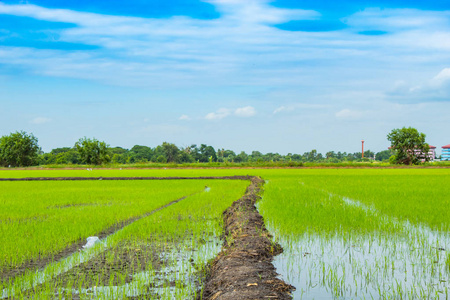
(445, 152)
(431, 153)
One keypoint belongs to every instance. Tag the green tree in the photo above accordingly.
(409, 146)
(92, 151)
(241, 157)
(185, 157)
(384, 155)
(141, 153)
(170, 152)
(19, 149)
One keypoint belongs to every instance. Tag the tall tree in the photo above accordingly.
(170, 152)
(141, 153)
(409, 146)
(92, 151)
(19, 149)
(207, 153)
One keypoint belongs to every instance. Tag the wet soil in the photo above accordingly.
(115, 266)
(124, 178)
(244, 269)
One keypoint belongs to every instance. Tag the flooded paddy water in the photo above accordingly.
(337, 247)
(407, 266)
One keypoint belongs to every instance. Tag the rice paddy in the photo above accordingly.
(346, 233)
(362, 234)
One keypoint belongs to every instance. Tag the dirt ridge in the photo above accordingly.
(247, 177)
(244, 269)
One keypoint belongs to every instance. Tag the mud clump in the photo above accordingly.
(244, 269)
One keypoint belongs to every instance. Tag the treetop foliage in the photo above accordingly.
(409, 146)
(92, 151)
(19, 149)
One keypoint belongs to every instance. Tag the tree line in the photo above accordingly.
(21, 149)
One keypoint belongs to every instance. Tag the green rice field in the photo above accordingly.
(346, 233)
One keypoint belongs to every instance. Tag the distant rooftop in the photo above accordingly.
(446, 147)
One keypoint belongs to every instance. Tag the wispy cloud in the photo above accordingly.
(436, 88)
(184, 118)
(241, 48)
(219, 114)
(40, 120)
(248, 111)
(397, 19)
(183, 51)
(243, 112)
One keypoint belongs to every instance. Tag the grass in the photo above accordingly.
(361, 233)
(39, 219)
(351, 233)
(167, 247)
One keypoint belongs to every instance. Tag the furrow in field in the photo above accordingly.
(124, 178)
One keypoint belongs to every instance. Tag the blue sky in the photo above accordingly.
(274, 76)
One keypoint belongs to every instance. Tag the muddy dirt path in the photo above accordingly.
(124, 178)
(243, 269)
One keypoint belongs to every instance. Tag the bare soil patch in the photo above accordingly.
(125, 178)
(243, 269)
(114, 266)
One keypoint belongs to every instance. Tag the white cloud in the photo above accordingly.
(239, 49)
(245, 112)
(395, 19)
(280, 109)
(260, 11)
(184, 117)
(40, 120)
(218, 115)
(442, 78)
(347, 114)
(434, 89)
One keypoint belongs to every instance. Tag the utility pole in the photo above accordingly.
(362, 148)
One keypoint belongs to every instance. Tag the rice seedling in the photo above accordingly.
(346, 233)
(337, 245)
(162, 254)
